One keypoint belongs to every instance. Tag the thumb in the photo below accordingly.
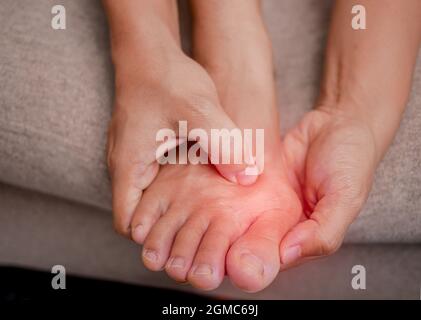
(229, 150)
(320, 235)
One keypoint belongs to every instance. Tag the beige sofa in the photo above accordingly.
(56, 90)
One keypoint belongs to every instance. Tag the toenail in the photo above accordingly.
(139, 233)
(150, 255)
(203, 270)
(176, 262)
(252, 263)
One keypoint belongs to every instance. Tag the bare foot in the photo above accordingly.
(190, 217)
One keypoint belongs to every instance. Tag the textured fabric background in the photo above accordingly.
(56, 98)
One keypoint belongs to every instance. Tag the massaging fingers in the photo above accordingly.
(131, 170)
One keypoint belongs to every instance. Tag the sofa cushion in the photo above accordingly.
(45, 236)
(56, 90)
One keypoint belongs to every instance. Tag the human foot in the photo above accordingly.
(189, 218)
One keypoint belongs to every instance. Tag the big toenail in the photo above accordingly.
(203, 270)
(176, 262)
(252, 263)
(150, 255)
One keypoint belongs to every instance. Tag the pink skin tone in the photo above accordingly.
(335, 150)
(199, 226)
(157, 85)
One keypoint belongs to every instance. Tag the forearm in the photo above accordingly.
(142, 31)
(368, 72)
(230, 40)
(227, 20)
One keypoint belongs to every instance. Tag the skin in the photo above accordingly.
(224, 228)
(315, 181)
(335, 150)
(156, 86)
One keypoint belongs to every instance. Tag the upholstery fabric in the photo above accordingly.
(56, 92)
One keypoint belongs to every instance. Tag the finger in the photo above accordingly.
(320, 235)
(228, 148)
(128, 182)
(132, 163)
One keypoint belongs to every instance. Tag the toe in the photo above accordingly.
(185, 246)
(208, 268)
(253, 260)
(147, 213)
(159, 240)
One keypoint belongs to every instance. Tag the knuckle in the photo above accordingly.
(201, 105)
(328, 245)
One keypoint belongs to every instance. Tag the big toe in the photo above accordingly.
(253, 261)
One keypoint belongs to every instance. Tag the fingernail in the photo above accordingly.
(138, 234)
(246, 179)
(291, 254)
(252, 263)
(150, 255)
(203, 270)
(176, 262)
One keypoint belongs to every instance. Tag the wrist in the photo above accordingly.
(141, 31)
(380, 128)
(139, 46)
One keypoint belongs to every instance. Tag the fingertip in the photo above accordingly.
(245, 179)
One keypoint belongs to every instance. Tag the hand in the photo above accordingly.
(334, 151)
(333, 159)
(151, 95)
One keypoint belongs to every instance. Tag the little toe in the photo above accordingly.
(160, 238)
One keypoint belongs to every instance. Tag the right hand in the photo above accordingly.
(149, 97)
